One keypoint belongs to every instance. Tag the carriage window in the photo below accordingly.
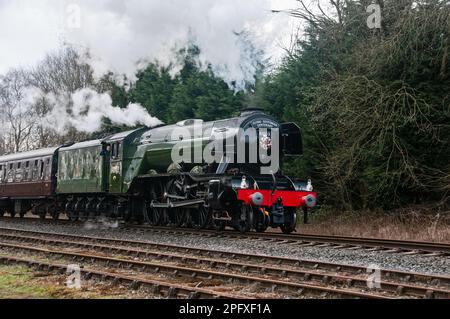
(35, 171)
(48, 169)
(41, 175)
(10, 173)
(26, 173)
(18, 174)
(1, 173)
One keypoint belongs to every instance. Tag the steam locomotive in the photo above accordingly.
(161, 177)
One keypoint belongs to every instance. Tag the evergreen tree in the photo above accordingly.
(373, 104)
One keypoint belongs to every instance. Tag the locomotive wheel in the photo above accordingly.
(52, 211)
(261, 220)
(2, 213)
(291, 221)
(177, 217)
(244, 221)
(152, 215)
(12, 214)
(219, 225)
(83, 216)
(73, 216)
(200, 218)
(42, 216)
(177, 187)
(157, 216)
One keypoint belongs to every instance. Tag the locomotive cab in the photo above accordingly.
(291, 140)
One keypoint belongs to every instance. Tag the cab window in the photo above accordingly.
(115, 150)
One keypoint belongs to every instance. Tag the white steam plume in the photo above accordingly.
(120, 33)
(87, 110)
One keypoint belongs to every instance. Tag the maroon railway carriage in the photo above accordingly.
(27, 180)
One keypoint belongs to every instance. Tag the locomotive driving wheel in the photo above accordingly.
(244, 220)
(290, 220)
(200, 218)
(177, 188)
(156, 216)
(262, 220)
(177, 217)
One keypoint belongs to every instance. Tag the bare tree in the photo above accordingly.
(61, 73)
(19, 116)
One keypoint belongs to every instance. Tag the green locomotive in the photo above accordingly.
(190, 174)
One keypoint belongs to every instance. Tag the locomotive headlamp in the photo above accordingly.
(310, 201)
(244, 183)
(257, 199)
(309, 187)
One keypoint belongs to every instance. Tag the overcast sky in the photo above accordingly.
(120, 32)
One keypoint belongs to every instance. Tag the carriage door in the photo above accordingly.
(115, 175)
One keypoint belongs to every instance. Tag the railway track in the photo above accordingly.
(291, 276)
(157, 287)
(430, 249)
(338, 242)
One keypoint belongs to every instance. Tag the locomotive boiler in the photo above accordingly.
(190, 174)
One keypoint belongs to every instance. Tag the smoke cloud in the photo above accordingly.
(88, 108)
(121, 35)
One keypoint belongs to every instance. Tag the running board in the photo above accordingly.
(184, 203)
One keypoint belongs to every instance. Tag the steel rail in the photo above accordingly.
(33, 236)
(341, 242)
(297, 288)
(170, 290)
(303, 275)
(417, 247)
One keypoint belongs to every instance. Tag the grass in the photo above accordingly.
(19, 282)
(15, 283)
(419, 223)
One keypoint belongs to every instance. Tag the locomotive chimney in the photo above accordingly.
(251, 109)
